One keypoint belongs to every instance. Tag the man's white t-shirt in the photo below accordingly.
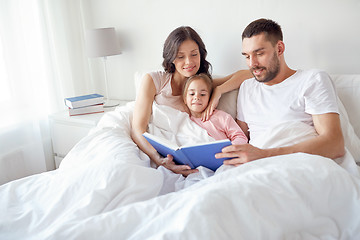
(297, 98)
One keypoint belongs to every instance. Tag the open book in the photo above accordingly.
(194, 155)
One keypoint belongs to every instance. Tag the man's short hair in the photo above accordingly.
(271, 29)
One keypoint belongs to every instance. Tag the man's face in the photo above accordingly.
(261, 57)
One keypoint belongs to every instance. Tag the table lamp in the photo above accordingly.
(102, 42)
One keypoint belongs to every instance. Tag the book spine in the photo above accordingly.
(179, 154)
(77, 114)
(84, 103)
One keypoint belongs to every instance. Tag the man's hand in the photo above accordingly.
(185, 170)
(241, 154)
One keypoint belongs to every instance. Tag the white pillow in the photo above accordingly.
(352, 141)
(138, 77)
(348, 89)
(227, 102)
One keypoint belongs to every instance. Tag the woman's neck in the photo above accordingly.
(177, 83)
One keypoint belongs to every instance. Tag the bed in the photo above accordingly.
(105, 188)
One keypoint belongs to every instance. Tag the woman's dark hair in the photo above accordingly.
(271, 29)
(172, 44)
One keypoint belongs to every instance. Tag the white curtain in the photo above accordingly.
(41, 62)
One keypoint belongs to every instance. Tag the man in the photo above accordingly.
(278, 94)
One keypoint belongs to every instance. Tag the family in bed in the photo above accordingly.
(269, 94)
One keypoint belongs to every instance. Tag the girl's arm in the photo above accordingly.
(140, 121)
(234, 132)
(223, 85)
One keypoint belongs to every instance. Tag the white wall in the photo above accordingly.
(318, 34)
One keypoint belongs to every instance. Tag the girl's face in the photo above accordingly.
(197, 97)
(187, 61)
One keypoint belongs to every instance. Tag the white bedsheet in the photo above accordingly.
(105, 189)
(289, 197)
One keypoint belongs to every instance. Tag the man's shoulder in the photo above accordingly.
(312, 73)
(311, 77)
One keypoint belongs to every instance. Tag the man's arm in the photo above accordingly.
(329, 143)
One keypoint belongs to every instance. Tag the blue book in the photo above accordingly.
(195, 155)
(85, 100)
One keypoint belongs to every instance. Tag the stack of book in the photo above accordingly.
(92, 103)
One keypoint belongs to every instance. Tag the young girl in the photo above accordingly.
(196, 95)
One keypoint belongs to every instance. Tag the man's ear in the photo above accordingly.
(280, 48)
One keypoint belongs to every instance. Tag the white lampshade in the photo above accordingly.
(102, 42)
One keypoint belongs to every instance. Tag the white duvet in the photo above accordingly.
(106, 189)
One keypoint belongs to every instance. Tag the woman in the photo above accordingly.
(184, 55)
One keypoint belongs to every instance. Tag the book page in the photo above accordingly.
(206, 143)
(162, 141)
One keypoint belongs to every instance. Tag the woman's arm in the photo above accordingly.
(140, 121)
(141, 117)
(223, 85)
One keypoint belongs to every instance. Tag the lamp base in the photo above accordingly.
(111, 103)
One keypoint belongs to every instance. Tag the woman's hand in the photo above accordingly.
(213, 103)
(168, 163)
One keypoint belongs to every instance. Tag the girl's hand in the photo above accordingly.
(185, 170)
(213, 103)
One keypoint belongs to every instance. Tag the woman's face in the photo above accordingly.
(187, 61)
